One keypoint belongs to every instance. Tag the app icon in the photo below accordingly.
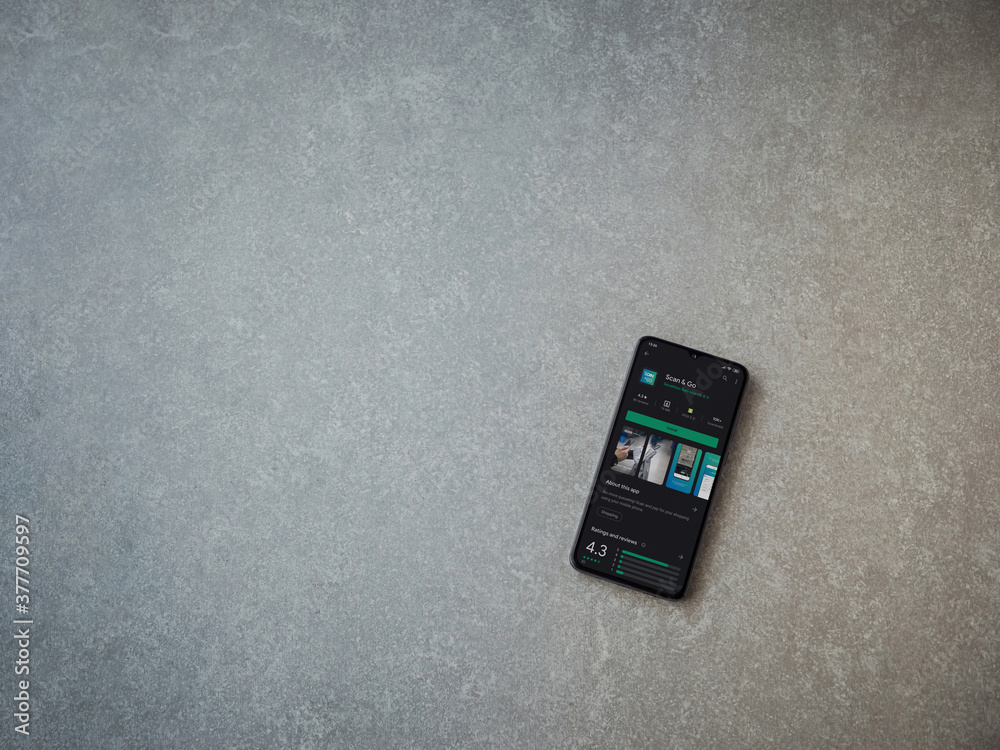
(648, 377)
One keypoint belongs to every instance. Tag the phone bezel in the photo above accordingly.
(711, 496)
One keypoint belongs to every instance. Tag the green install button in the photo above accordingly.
(672, 429)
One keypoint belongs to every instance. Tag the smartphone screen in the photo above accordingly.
(656, 479)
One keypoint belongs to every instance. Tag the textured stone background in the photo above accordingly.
(314, 315)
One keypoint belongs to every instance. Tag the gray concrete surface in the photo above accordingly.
(314, 315)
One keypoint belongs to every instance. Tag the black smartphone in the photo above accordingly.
(643, 523)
